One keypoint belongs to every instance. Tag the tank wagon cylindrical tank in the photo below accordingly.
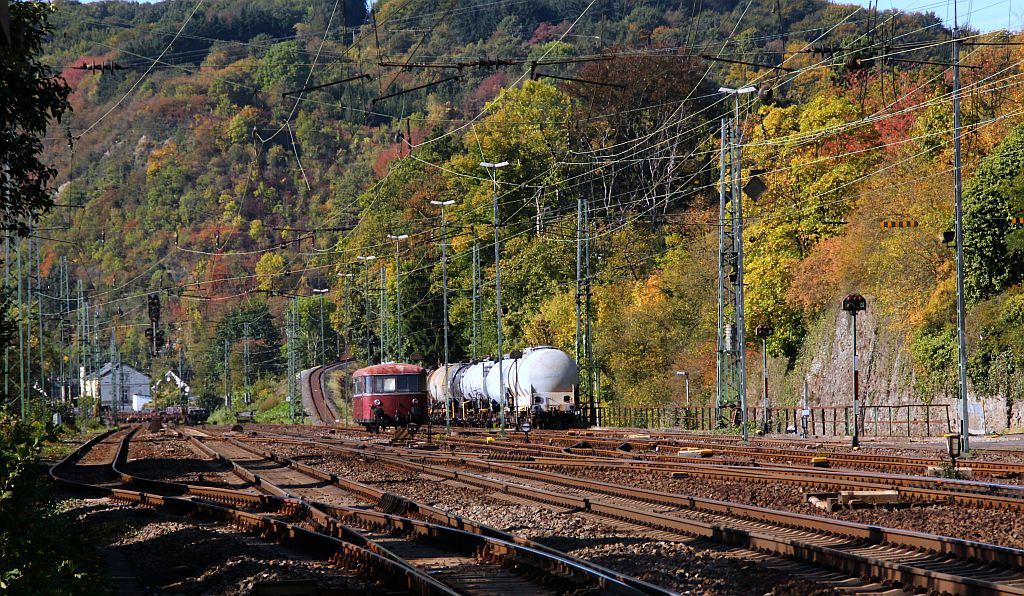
(539, 382)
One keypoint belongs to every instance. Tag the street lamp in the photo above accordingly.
(764, 332)
(444, 292)
(398, 285)
(686, 378)
(853, 304)
(493, 170)
(348, 303)
(323, 344)
(366, 293)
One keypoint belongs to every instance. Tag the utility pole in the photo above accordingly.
(181, 376)
(6, 284)
(444, 293)
(114, 391)
(965, 427)
(383, 301)
(399, 352)
(732, 325)
(366, 298)
(247, 397)
(21, 340)
(227, 376)
(28, 327)
(579, 291)
(290, 332)
(723, 373)
(477, 307)
(323, 337)
(493, 170)
(82, 336)
(588, 336)
(39, 313)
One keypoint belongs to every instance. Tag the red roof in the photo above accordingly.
(390, 368)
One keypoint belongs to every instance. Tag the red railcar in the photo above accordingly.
(391, 394)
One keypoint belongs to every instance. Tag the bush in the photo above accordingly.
(37, 553)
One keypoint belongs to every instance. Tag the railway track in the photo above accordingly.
(660, 446)
(910, 559)
(916, 488)
(439, 560)
(324, 411)
(465, 572)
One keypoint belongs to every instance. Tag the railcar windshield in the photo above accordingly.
(374, 384)
(397, 384)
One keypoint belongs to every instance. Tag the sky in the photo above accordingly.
(983, 15)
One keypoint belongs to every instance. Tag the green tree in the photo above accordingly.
(992, 251)
(32, 98)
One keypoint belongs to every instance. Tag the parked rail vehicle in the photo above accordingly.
(540, 384)
(189, 415)
(389, 395)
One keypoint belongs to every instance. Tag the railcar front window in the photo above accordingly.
(411, 383)
(398, 384)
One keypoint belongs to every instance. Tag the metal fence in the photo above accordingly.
(909, 420)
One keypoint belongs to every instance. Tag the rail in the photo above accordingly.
(842, 556)
(909, 420)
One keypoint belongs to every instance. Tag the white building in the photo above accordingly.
(133, 386)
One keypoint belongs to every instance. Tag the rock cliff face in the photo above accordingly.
(886, 379)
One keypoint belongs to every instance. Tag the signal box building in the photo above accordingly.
(132, 383)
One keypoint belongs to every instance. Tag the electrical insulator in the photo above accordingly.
(856, 62)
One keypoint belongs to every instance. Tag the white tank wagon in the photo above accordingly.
(539, 382)
(544, 379)
(472, 381)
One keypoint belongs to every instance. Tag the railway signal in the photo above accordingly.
(953, 447)
(156, 336)
(901, 223)
(853, 304)
(525, 427)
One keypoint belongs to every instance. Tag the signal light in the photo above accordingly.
(903, 223)
(154, 308)
(854, 303)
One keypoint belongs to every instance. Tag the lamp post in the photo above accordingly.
(764, 332)
(323, 344)
(444, 292)
(398, 293)
(366, 294)
(737, 232)
(492, 168)
(348, 320)
(853, 304)
(686, 381)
